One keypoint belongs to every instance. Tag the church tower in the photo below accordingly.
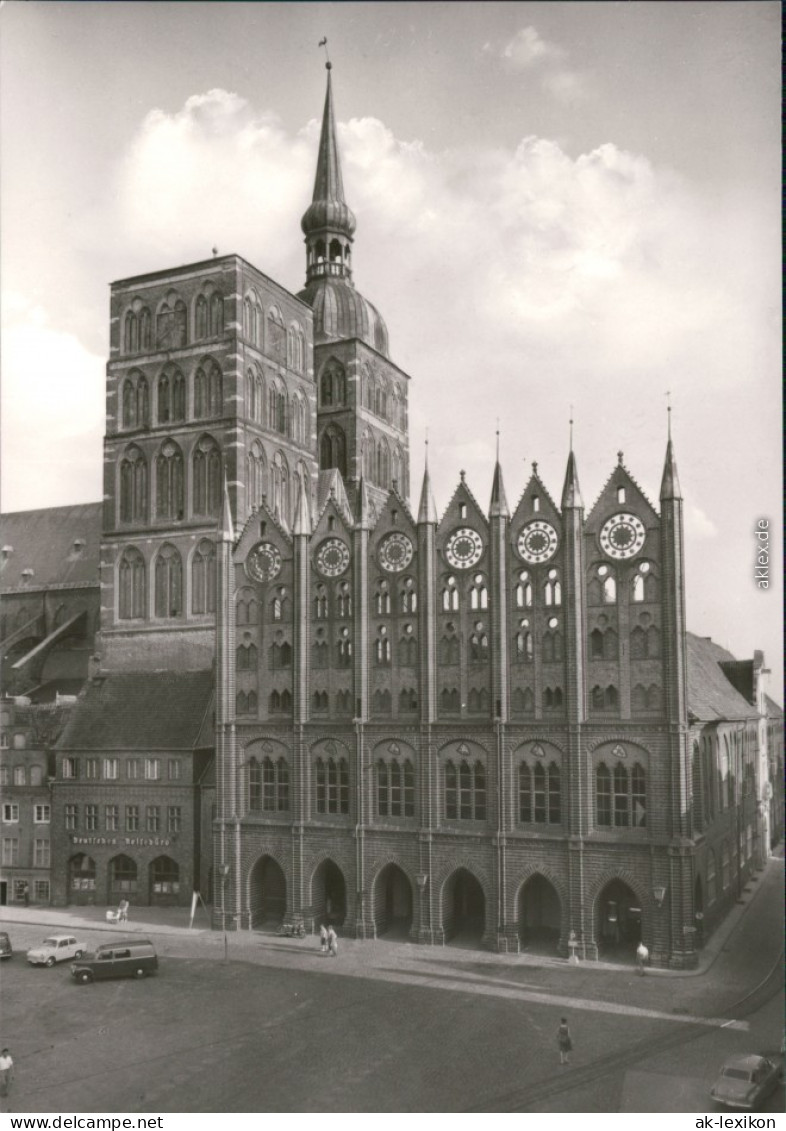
(362, 397)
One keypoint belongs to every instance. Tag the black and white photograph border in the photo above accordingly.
(390, 554)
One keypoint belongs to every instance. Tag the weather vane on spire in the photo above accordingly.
(323, 43)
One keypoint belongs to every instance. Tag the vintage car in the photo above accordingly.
(55, 948)
(746, 1080)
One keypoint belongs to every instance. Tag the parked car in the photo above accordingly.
(746, 1080)
(127, 958)
(56, 948)
(6, 950)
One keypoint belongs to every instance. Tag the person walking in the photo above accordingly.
(642, 957)
(564, 1041)
(6, 1072)
(323, 939)
(122, 911)
(332, 938)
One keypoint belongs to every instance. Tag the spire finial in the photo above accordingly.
(497, 439)
(534, 467)
(426, 449)
(571, 429)
(620, 456)
(668, 411)
(323, 43)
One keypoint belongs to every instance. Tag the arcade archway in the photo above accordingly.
(393, 903)
(618, 921)
(539, 916)
(329, 894)
(267, 892)
(463, 909)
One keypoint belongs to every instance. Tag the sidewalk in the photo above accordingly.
(380, 953)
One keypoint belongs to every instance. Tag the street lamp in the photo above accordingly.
(421, 879)
(659, 892)
(224, 872)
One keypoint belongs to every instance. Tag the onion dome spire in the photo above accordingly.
(328, 223)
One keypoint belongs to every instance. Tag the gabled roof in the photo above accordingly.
(59, 544)
(774, 710)
(711, 697)
(330, 483)
(161, 710)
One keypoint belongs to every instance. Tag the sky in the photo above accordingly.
(563, 209)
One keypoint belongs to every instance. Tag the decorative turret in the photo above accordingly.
(498, 507)
(427, 511)
(571, 492)
(670, 484)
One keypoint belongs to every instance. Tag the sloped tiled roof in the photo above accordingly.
(774, 710)
(44, 541)
(710, 695)
(140, 711)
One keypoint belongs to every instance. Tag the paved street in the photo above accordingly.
(385, 1027)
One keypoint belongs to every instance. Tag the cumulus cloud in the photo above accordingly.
(527, 51)
(527, 48)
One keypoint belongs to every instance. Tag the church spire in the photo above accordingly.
(225, 527)
(498, 507)
(302, 524)
(328, 223)
(670, 484)
(571, 492)
(427, 511)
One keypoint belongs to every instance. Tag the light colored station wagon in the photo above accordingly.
(55, 948)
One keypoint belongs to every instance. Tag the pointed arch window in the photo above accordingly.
(280, 485)
(200, 318)
(449, 700)
(408, 652)
(333, 385)
(344, 650)
(382, 650)
(478, 593)
(478, 647)
(203, 578)
(207, 390)
(131, 335)
(132, 585)
(395, 788)
(552, 590)
(207, 477)
(603, 795)
(135, 399)
(247, 657)
(332, 785)
(408, 597)
(552, 699)
(276, 337)
(333, 449)
(369, 457)
(257, 475)
(299, 420)
(268, 785)
(465, 791)
(169, 482)
(133, 486)
(383, 464)
(280, 702)
(450, 595)
(216, 323)
(343, 600)
(168, 583)
(478, 701)
(171, 396)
